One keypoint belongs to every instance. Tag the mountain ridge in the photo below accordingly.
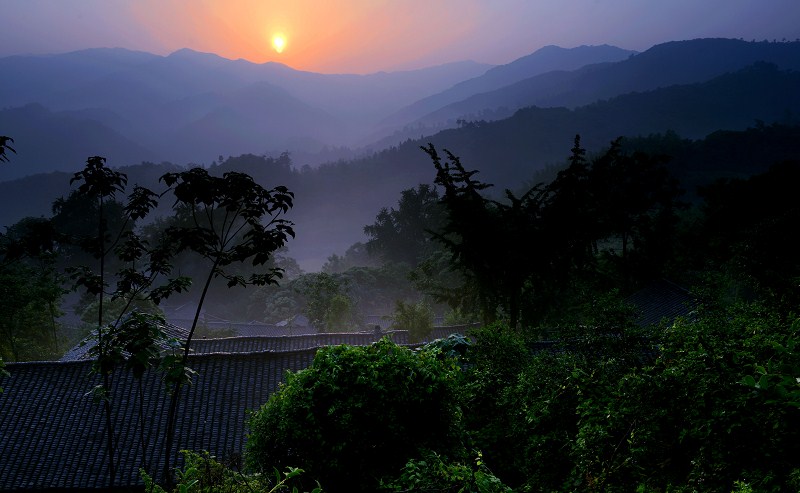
(335, 201)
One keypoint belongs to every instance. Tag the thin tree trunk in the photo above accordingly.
(110, 448)
(172, 414)
(143, 443)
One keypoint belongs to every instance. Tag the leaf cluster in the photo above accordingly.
(225, 221)
(203, 473)
(359, 414)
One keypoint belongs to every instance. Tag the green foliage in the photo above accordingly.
(359, 414)
(687, 421)
(452, 346)
(202, 473)
(403, 234)
(524, 253)
(328, 306)
(458, 316)
(778, 379)
(495, 359)
(3, 371)
(743, 234)
(30, 298)
(30, 292)
(416, 318)
(357, 255)
(432, 473)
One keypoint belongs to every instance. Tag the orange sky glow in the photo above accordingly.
(363, 36)
(320, 36)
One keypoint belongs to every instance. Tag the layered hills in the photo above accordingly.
(687, 90)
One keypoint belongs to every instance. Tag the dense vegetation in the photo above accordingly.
(704, 403)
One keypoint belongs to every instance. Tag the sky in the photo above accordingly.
(364, 36)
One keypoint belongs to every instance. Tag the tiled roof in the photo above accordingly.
(81, 351)
(661, 300)
(247, 328)
(52, 434)
(440, 332)
(291, 343)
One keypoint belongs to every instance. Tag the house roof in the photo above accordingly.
(291, 343)
(661, 300)
(52, 434)
(82, 350)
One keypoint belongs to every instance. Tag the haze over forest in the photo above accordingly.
(500, 246)
(348, 144)
(353, 140)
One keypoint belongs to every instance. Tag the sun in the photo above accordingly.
(279, 42)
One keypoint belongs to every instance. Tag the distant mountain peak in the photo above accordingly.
(190, 54)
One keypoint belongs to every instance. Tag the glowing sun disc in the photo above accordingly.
(278, 43)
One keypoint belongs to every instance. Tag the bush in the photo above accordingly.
(202, 473)
(359, 414)
(416, 318)
(687, 421)
(433, 473)
(495, 359)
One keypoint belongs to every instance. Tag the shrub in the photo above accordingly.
(495, 359)
(416, 318)
(433, 473)
(202, 473)
(359, 414)
(688, 421)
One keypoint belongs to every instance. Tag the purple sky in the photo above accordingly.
(362, 36)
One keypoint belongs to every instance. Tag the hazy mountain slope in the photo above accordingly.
(333, 203)
(546, 59)
(680, 62)
(51, 141)
(505, 149)
(253, 119)
(32, 78)
(512, 151)
(234, 106)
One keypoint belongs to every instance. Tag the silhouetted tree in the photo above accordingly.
(403, 234)
(232, 220)
(5, 147)
(140, 267)
(500, 246)
(30, 293)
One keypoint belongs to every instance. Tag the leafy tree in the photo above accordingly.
(402, 234)
(327, 304)
(743, 233)
(30, 297)
(3, 371)
(357, 255)
(523, 254)
(358, 414)
(634, 199)
(31, 291)
(688, 420)
(500, 246)
(140, 267)
(232, 220)
(202, 472)
(5, 147)
(433, 473)
(416, 318)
